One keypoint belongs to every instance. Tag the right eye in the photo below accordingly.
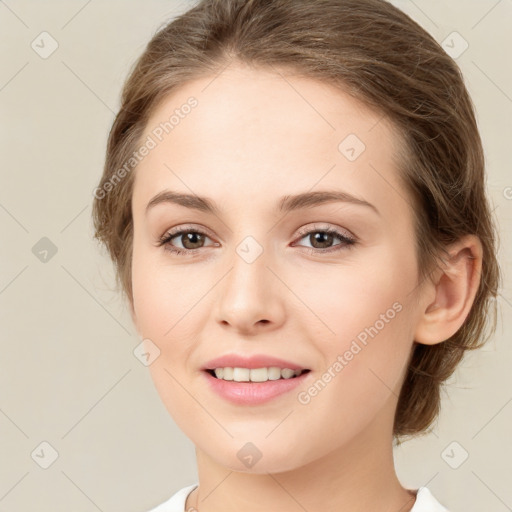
(189, 238)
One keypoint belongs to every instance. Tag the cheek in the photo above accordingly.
(172, 304)
(164, 301)
(368, 314)
(163, 295)
(362, 364)
(354, 297)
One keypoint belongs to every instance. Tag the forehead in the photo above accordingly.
(255, 133)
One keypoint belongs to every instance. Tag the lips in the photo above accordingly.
(253, 380)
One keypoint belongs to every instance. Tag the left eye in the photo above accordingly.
(324, 237)
(193, 240)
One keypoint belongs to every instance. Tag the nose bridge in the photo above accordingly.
(247, 295)
(249, 272)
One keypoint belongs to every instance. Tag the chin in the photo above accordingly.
(258, 457)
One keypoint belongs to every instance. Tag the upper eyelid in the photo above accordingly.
(186, 229)
(315, 227)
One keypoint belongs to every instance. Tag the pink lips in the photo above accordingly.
(251, 393)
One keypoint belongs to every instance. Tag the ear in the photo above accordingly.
(454, 288)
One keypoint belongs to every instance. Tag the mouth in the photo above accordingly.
(249, 375)
(254, 386)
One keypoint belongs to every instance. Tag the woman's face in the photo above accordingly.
(263, 278)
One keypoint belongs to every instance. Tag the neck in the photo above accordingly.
(356, 477)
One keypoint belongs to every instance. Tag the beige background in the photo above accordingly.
(68, 375)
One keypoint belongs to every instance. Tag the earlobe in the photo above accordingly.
(455, 287)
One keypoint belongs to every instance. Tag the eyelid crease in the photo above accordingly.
(327, 229)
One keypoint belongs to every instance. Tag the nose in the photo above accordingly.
(250, 298)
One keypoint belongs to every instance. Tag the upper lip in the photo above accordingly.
(253, 361)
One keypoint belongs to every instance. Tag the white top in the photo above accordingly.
(425, 501)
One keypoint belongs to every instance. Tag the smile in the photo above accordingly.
(238, 374)
(241, 390)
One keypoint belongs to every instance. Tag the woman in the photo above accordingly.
(294, 199)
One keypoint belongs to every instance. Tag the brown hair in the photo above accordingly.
(376, 53)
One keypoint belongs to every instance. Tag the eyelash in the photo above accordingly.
(347, 241)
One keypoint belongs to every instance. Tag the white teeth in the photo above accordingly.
(241, 374)
(274, 373)
(259, 374)
(287, 373)
(227, 373)
(255, 374)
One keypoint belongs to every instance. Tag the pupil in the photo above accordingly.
(191, 238)
(320, 235)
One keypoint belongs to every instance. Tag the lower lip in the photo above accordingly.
(253, 393)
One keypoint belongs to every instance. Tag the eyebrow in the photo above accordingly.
(285, 204)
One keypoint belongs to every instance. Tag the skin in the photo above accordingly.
(254, 137)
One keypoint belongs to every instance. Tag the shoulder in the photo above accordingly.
(425, 502)
(176, 503)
